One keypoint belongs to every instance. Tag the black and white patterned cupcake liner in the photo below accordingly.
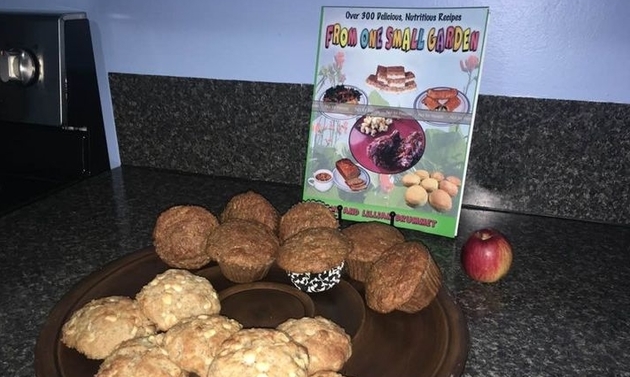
(317, 282)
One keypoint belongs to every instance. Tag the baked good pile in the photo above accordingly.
(174, 326)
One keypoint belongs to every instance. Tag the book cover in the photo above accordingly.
(394, 98)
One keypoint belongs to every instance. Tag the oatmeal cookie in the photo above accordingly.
(255, 352)
(99, 326)
(175, 295)
(140, 357)
(193, 342)
(328, 345)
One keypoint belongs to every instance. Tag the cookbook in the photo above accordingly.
(394, 101)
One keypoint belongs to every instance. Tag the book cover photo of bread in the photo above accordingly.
(394, 102)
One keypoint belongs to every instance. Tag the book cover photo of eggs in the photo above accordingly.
(394, 101)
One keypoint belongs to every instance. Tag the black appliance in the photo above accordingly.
(51, 122)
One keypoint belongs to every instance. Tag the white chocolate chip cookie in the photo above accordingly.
(193, 343)
(328, 345)
(260, 352)
(176, 295)
(140, 357)
(99, 326)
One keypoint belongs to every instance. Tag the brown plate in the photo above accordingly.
(433, 342)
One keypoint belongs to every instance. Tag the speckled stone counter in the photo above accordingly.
(567, 159)
(562, 310)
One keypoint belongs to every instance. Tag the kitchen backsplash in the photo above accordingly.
(568, 159)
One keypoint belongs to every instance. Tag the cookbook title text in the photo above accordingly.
(450, 38)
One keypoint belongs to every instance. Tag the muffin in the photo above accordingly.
(175, 295)
(140, 357)
(192, 343)
(405, 278)
(252, 206)
(256, 352)
(328, 345)
(180, 233)
(369, 241)
(244, 250)
(102, 324)
(306, 215)
(314, 258)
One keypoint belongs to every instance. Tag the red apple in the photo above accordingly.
(486, 255)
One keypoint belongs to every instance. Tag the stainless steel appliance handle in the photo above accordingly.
(18, 65)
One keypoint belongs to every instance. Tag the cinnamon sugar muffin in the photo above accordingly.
(369, 241)
(254, 207)
(100, 325)
(260, 352)
(192, 343)
(175, 295)
(180, 233)
(328, 345)
(306, 215)
(244, 250)
(314, 258)
(405, 278)
(140, 357)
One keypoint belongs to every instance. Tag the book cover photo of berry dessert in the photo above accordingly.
(394, 101)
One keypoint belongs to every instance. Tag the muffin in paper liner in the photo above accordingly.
(243, 249)
(244, 274)
(314, 258)
(358, 270)
(314, 282)
(305, 215)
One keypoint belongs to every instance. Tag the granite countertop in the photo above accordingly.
(561, 311)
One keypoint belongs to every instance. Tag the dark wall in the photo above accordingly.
(549, 157)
